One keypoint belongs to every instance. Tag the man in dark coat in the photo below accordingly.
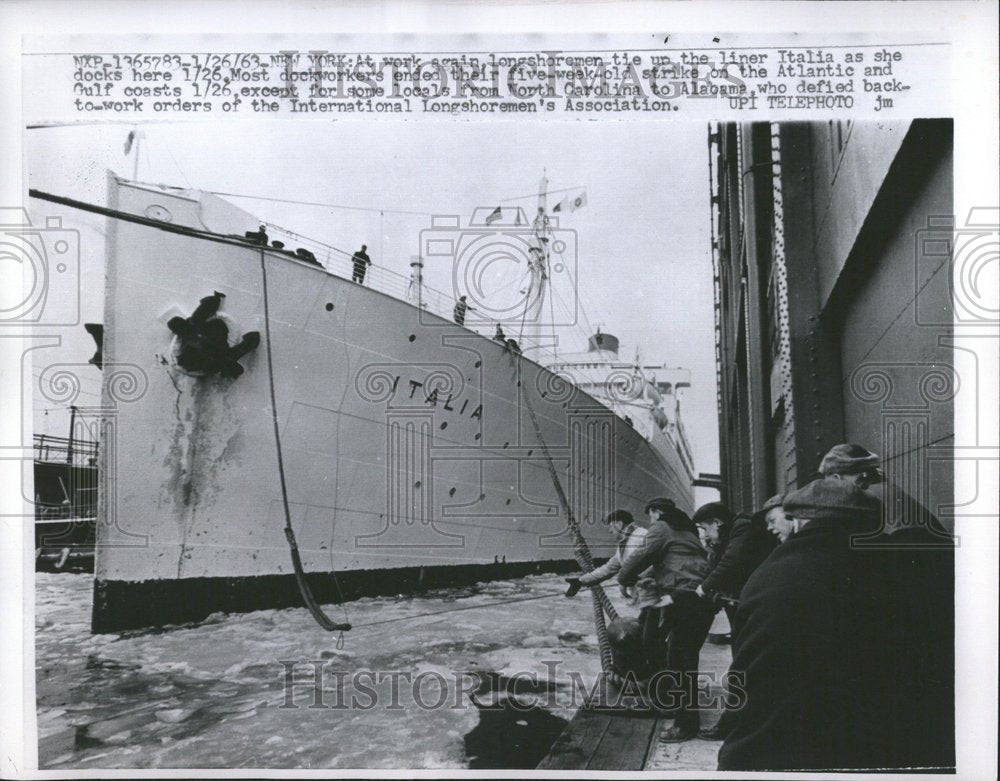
(740, 546)
(916, 552)
(679, 563)
(743, 543)
(903, 513)
(461, 309)
(817, 639)
(361, 262)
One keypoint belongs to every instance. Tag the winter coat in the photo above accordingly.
(632, 542)
(819, 634)
(676, 556)
(748, 544)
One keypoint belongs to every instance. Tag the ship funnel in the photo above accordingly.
(605, 342)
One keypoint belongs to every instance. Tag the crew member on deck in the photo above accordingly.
(258, 236)
(361, 263)
(461, 308)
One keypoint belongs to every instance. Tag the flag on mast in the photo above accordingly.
(494, 215)
(571, 203)
(128, 141)
(543, 188)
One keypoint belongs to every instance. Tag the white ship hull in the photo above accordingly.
(408, 452)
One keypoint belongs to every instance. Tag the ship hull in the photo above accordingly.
(409, 454)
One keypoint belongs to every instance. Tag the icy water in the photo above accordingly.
(456, 689)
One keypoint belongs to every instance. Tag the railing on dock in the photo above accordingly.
(63, 450)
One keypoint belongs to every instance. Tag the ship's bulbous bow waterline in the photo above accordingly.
(410, 459)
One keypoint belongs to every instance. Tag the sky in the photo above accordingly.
(643, 265)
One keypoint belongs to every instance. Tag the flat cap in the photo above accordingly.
(713, 511)
(829, 498)
(620, 516)
(848, 459)
(662, 503)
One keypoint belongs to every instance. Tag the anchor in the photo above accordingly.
(203, 341)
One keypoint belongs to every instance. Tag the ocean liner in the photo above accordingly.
(405, 449)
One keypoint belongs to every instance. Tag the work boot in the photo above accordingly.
(717, 732)
(679, 733)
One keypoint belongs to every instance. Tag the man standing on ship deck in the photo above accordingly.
(361, 263)
(461, 308)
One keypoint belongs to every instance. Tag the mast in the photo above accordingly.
(538, 268)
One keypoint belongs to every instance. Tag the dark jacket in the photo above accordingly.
(819, 633)
(748, 544)
(676, 556)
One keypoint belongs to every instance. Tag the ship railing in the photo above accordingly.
(384, 280)
(78, 452)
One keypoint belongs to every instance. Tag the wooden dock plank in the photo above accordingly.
(625, 744)
(574, 748)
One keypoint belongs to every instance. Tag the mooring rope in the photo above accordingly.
(300, 576)
(602, 604)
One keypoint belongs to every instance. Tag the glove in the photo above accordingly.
(624, 591)
(574, 587)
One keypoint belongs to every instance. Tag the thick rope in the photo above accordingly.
(607, 660)
(300, 576)
(602, 604)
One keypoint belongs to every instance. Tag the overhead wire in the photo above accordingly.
(323, 204)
